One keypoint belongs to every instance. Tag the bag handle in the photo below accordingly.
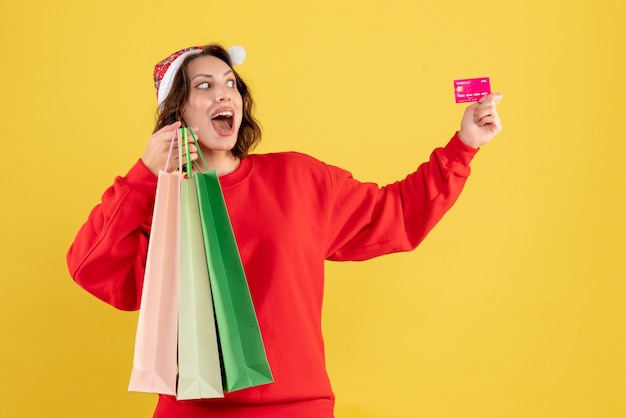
(182, 142)
(183, 132)
(169, 154)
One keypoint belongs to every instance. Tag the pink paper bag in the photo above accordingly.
(155, 358)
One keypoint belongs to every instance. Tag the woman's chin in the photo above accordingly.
(221, 145)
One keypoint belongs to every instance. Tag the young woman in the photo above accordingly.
(290, 213)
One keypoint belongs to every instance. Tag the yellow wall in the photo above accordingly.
(515, 306)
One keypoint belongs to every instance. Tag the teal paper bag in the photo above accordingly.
(199, 369)
(243, 354)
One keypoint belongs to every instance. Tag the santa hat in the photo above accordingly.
(166, 69)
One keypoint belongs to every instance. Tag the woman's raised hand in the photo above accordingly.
(157, 150)
(480, 122)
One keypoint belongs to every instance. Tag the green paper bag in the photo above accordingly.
(199, 369)
(243, 354)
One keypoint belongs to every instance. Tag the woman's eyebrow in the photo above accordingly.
(210, 75)
(201, 75)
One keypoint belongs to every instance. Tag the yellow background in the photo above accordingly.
(514, 306)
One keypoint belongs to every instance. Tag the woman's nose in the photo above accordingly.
(222, 95)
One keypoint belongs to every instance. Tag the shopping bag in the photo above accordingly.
(199, 370)
(154, 363)
(244, 360)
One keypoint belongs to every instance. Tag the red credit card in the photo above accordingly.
(471, 89)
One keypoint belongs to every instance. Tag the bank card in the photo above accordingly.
(471, 89)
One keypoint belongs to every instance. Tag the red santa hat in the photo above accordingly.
(166, 69)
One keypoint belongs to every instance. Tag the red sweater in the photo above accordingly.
(289, 212)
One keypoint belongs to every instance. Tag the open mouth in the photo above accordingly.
(223, 121)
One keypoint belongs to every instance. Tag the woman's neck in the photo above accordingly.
(223, 162)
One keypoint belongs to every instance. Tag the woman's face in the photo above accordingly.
(215, 106)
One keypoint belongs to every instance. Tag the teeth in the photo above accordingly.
(226, 113)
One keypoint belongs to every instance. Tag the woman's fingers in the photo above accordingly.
(179, 155)
(163, 143)
(487, 106)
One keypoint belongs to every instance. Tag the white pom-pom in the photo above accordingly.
(237, 54)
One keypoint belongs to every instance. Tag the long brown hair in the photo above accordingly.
(173, 106)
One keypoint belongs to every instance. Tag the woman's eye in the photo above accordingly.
(231, 83)
(204, 85)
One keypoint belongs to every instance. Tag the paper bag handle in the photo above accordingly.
(169, 154)
(183, 135)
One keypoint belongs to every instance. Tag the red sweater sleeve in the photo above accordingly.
(108, 255)
(370, 221)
